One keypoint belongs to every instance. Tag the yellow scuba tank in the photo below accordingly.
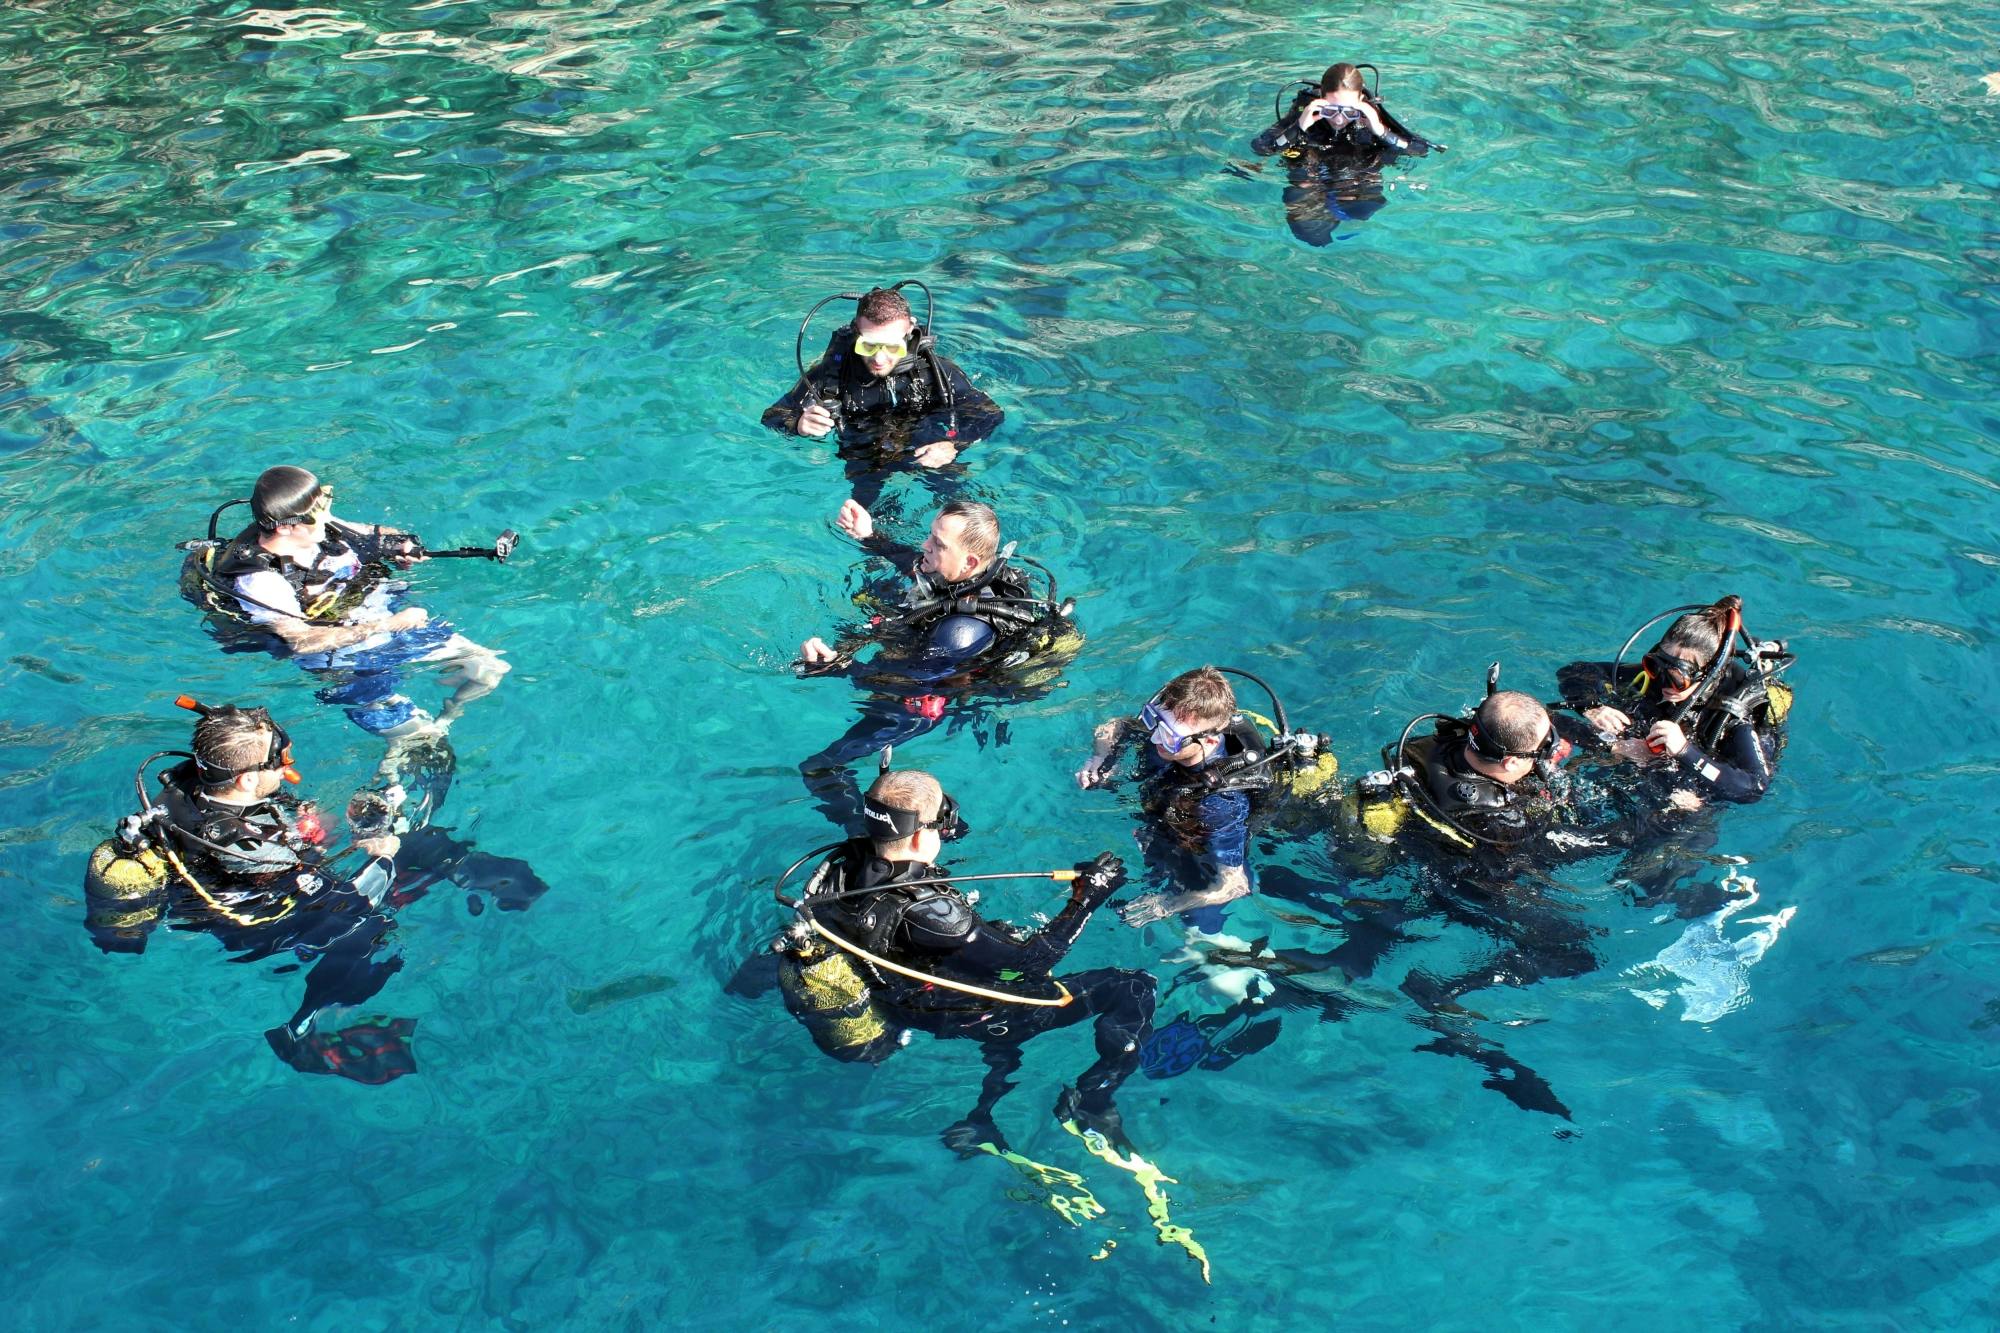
(1381, 807)
(1313, 772)
(1318, 776)
(122, 875)
(124, 895)
(829, 994)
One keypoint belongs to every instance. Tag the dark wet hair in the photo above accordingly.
(282, 495)
(230, 741)
(881, 306)
(1698, 634)
(1341, 76)
(1512, 720)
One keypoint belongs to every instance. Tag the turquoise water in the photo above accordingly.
(1701, 300)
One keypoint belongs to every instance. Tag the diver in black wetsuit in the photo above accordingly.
(1699, 719)
(1698, 711)
(895, 403)
(1485, 808)
(225, 852)
(1335, 139)
(966, 621)
(885, 943)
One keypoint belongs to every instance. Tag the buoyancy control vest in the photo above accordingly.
(914, 386)
(210, 572)
(246, 850)
(1463, 808)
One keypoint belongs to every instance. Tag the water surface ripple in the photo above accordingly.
(1700, 300)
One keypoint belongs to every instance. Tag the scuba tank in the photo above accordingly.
(834, 1002)
(826, 990)
(124, 890)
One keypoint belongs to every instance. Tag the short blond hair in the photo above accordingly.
(981, 531)
(911, 790)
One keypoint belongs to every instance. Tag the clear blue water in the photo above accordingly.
(1702, 300)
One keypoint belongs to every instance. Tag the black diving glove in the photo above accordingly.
(1097, 879)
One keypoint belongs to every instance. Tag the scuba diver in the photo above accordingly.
(884, 943)
(224, 850)
(882, 387)
(1484, 807)
(1700, 720)
(299, 582)
(1206, 767)
(1703, 709)
(967, 626)
(1206, 772)
(1336, 138)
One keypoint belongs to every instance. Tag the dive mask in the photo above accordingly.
(885, 822)
(1165, 732)
(866, 349)
(1671, 670)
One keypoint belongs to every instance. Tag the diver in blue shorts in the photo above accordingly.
(300, 582)
(1203, 768)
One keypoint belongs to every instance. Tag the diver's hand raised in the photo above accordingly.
(855, 520)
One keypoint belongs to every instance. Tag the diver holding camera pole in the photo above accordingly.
(299, 582)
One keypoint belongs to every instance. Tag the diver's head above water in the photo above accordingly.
(291, 507)
(1186, 719)
(909, 816)
(241, 755)
(964, 538)
(883, 330)
(1686, 651)
(1510, 734)
(1341, 78)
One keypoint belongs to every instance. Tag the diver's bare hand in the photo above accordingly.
(1315, 111)
(855, 520)
(815, 421)
(410, 617)
(936, 454)
(1632, 749)
(385, 846)
(1668, 735)
(1145, 911)
(1684, 800)
(1095, 770)
(1608, 720)
(817, 652)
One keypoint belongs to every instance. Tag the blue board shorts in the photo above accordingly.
(368, 684)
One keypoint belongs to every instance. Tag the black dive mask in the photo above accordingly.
(1547, 755)
(885, 823)
(1672, 671)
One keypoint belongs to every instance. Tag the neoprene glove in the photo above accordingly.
(1098, 878)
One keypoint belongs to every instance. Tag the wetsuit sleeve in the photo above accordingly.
(1285, 133)
(903, 556)
(783, 415)
(1740, 770)
(1586, 684)
(973, 415)
(979, 948)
